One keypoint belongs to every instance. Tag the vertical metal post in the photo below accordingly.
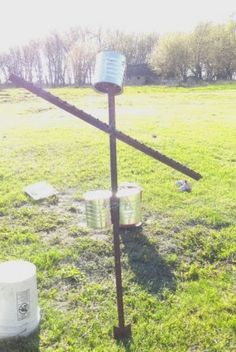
(121, 331)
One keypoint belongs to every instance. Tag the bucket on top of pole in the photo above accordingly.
(109, 72)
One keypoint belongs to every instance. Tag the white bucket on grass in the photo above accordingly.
(19, 311)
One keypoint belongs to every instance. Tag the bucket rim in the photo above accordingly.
(112, 53)
(97, 194)
(15, 271)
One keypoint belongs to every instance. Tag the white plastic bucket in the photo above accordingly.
(97, 205)
(109, 72)
(19, 311)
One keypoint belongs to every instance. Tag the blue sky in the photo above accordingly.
(22, 20)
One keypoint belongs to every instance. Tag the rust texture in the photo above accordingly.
(105, 127)
(121, 331)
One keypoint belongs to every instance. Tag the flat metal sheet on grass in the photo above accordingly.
(40, 190)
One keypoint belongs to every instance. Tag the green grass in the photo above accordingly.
(178, 269)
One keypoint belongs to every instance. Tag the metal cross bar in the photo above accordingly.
(104, 127)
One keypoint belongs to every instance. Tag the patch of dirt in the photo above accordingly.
(99, 237)
(96, 266)
(65, 204)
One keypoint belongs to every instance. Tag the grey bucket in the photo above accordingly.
(97, 204)
(109, 72)
(130, 196)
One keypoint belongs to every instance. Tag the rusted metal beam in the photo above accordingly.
(120, 331)
(104, 127)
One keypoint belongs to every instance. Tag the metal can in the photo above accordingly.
(130, 196)
(109, 72)
(97, 204)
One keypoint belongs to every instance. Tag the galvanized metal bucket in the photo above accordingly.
(130, 196)
(97, 204)
(109, 72)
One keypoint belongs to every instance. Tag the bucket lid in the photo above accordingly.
(124, 192)
(98, 194)
(111, 54)
(16, 271)
(128, 189)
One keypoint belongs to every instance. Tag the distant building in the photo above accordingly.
(140, 74)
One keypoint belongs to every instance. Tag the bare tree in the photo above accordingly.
(136, 47)
(82, 57)
(82, 48)
(4, 71)
(144, 45)
(55, 51)
(14, 62)
(31, 62)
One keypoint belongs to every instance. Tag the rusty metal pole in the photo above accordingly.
(121, 331)
(104, 127)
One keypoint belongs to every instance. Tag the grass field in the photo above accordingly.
(179, 278)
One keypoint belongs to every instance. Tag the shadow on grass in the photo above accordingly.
(22, 344)
(150, 269)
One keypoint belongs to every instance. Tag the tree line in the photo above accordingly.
(208, 52)
(68, 58)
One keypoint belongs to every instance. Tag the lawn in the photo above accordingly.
(178, 268)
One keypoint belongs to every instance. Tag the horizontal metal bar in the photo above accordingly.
(104, 127)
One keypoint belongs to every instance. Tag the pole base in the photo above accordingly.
(121, 333)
